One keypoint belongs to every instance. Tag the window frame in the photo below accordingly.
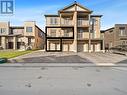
(27, 29)
(122, 31)
(53, 21)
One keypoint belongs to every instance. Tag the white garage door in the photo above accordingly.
(52, 46)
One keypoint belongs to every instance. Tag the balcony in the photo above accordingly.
(66, 22)
(83, 35)
(83, 23)
(95, 36)
(64, 32)
(70, 34)
(17, 32)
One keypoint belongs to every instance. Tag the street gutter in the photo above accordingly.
(61, 65)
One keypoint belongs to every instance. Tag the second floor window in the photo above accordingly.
(29, 29)
(53, 33)
(67, 21)
(122, 31)
(2, 30)
(53, 21)
(66, 33)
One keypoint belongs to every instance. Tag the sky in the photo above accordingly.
(113, 11)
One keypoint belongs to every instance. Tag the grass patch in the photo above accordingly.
(12, 54)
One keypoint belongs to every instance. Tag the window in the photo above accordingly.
(53, 32)
(81, 30)
(66, 33)
(28, 29)
(2, 30)
(67, 21)
(53, 21)
(94, 22)
(122, 31)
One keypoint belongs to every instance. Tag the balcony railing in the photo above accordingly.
(83, 23)
(61, 34)
(83, 35)
(66, 23)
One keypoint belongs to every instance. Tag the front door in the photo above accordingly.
(10, 45)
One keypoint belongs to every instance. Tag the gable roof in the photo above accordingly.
(72, 5)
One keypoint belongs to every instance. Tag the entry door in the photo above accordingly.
(80, 47)
(66, 47)
(93, 47)
(10, 45)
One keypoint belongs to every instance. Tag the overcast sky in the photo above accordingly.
(113, 11)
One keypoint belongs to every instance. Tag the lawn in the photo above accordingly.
(12, 54)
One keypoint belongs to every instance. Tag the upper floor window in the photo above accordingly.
(122, 31)
(67, 21)
(53, 32)
(2, 30)
(29, 29)
(66, 32)
(94, 21)
(53, 21)
(81, 30)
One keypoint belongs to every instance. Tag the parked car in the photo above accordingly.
(3, 60)
(1, 48)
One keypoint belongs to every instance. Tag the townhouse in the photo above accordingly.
(75, 29)
(28, 36)
(115, 36)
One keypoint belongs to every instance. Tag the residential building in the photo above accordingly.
(75, 29)
(28, 36)
(116, 36)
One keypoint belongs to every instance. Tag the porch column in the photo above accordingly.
(14, 43)
(103, 46)
(3, 42)
(89, 44)
(75, 30)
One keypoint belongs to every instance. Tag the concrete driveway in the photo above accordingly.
(70, 57)
(48, 57)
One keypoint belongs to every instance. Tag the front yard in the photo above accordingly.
(12, 54)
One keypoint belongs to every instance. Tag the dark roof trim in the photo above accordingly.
(39, 29)
(51, 15)
(96, 15)
(102, 31)
(109, 29)
(17, 27)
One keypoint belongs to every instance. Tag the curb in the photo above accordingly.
(61, 65)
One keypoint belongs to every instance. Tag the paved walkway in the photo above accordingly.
(105, 58)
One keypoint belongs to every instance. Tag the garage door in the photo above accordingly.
(52, 46)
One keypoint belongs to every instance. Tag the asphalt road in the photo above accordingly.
(63, 81)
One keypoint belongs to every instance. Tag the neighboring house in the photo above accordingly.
(28, 36)
(116, 36)
(74, 29)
